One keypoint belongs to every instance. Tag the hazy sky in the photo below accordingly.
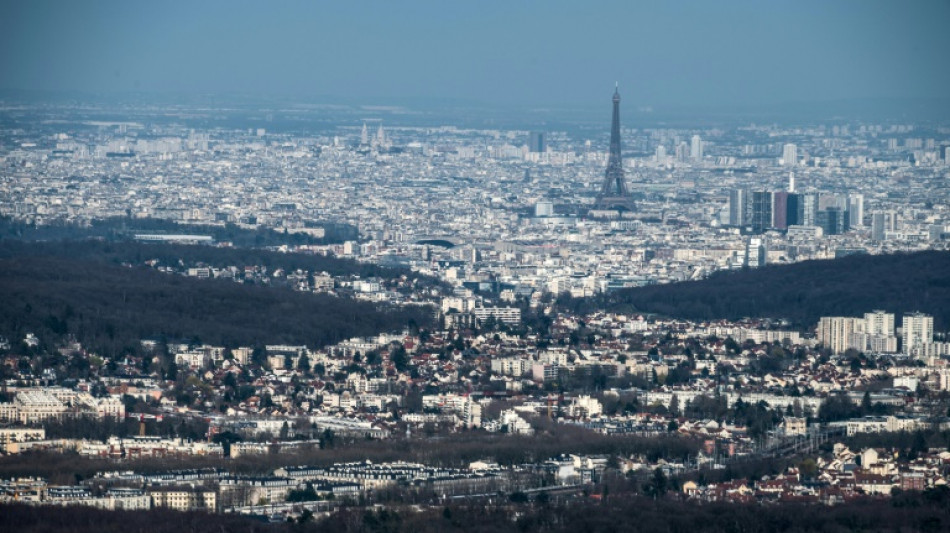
(713, 52)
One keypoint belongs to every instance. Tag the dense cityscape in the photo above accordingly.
(227, 303)
(508, 226)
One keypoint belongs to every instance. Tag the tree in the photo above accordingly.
(658, 484)
(808, 468)
(866, 407)
(327, 439)
(303, 364)
(675, 406)
(399, 357)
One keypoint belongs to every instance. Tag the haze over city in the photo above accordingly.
(443, 266)
(665, 54)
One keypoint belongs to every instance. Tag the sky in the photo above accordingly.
(526, 53)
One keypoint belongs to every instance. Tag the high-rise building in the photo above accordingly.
(682, 152)
(808, 209)
(791, 182)
(790, 155)
(364, 136)
(761, 211)
(536, 142)
(696, 148)
(836, 332)
(916, 331)
(878, 333)
(660, 154)
(856, 210)
(879, 323)
(614, 193)
(755, 252)
(780, 210)
(878, 232)
(792, 211)
(737, 207)
(833, 220)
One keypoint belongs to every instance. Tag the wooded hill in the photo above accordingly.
(80, 288)
(801, 292)
(136, 253)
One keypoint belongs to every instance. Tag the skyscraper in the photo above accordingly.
(780, 210)
(696, 148)
(833, 220)
(878, 226)
(614, 193)
(761, 211)
(755, 252)
(737, 207)
(808, 209)
(536, 142)
(856, 209)
(792, 211)
(790, 155)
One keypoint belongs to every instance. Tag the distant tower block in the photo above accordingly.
(364, 136)
(614, 193)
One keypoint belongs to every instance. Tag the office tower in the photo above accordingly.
(808, 209)
(791, 182)
(790, 155)
(661, 154)
(737, 207)
(792, 210)
(761, 211)
(878, 232)
(881, 223)
(780, 210)
(364, 136)
(614, 193)
(755, 252)
(696, 148)
(917, 331)
(856, 210)
(536, 142)
(833, 220)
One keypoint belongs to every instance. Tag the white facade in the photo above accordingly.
(917, 331)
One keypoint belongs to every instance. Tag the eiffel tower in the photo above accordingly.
(614, 193)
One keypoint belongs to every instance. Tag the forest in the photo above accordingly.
(136, 253)
(73, 288)
(800, 292)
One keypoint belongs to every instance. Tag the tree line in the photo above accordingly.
(800, 292)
